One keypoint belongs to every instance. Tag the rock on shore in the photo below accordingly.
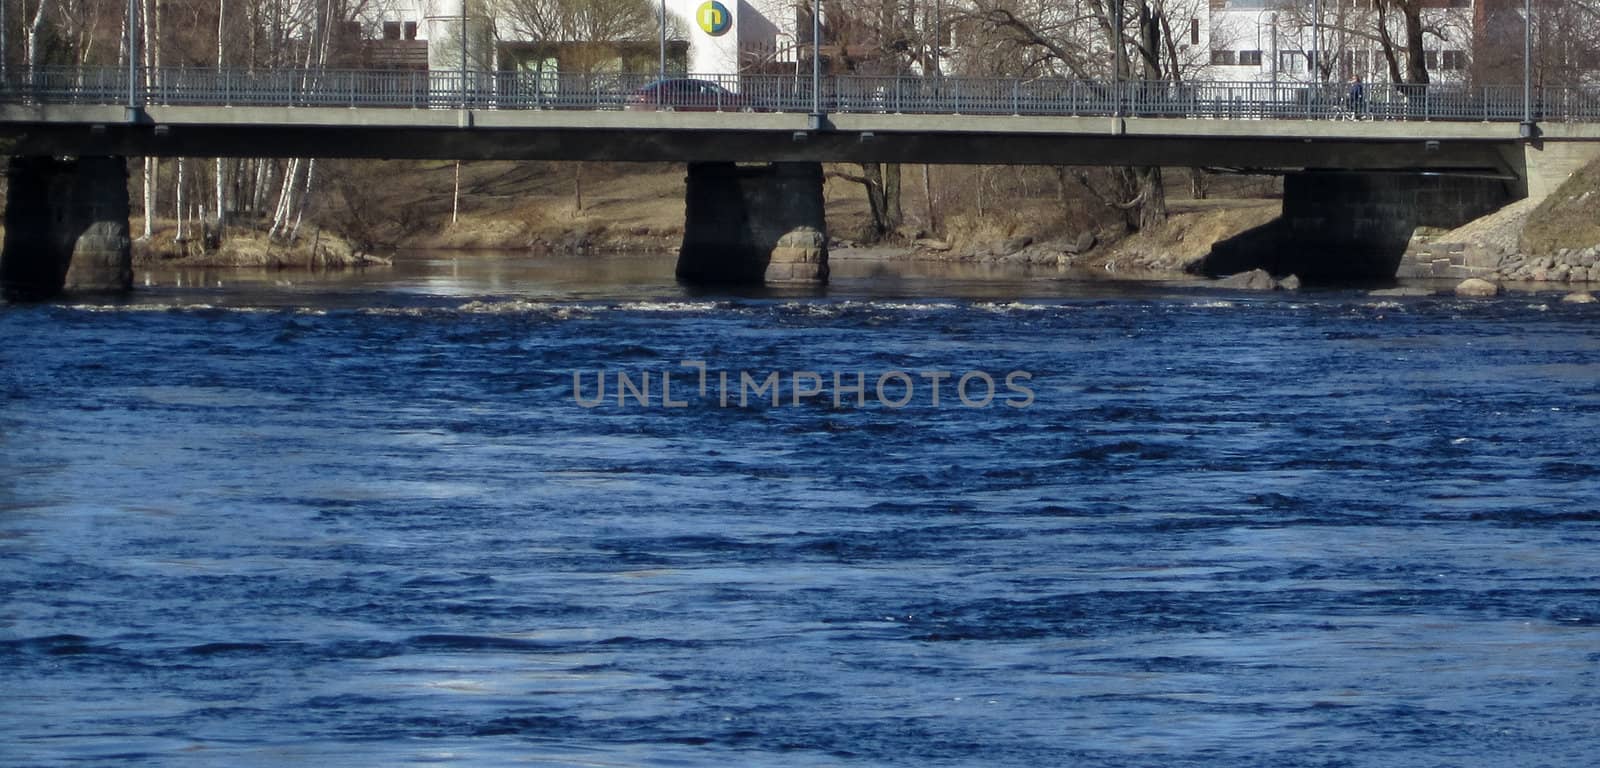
(1567, 265)
(1258, 280)
(1493, 247)
(1477, 287)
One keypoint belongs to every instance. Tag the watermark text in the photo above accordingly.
(894, 389)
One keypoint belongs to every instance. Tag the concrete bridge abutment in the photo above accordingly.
(1547, 163)
(752, 224)
(66, 227)
(1348, 225)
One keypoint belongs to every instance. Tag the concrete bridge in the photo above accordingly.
(1358, 172)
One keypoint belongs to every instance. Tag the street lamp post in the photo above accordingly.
(1276, 59)
(1116, 60)
(1315, 64)
(816, 64)
(133, 59)
(1527, 70)
(1316, 41)
(5, 50)
(463, 54)
(662, 75)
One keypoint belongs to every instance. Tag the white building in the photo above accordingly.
(1280, 40)
(1260, 41)
(721, 35)
(723, 32)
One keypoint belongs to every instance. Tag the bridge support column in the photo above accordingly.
(754, 224)
(1354, 225)
(66, 227)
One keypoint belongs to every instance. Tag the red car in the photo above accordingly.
(685, 94)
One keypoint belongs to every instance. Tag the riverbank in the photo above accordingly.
(1551, 241)
(246, 248)
(1171, 250)
(983, 215)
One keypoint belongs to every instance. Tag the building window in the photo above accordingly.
(1250, 58)
(1194, 31)
(391, 30)
(1353, 63)
(1222, 58)
(1293, 62)
(1453, 60)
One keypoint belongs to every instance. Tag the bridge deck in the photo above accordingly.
(1053, 122)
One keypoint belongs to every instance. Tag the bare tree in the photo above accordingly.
(1074, 38)
(881, 37)
(1037, 38)
(580, 20)
(1415, 59)
(1567, 41)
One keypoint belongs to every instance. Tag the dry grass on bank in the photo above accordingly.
(1568, 218)
(1192, 227)
(317, 249)
(563, 206)
(506, 205)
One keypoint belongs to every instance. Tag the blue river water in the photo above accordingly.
(369, 521)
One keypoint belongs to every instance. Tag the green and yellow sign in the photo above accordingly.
(714, 18)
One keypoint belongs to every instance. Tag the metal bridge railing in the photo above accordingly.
(785, 93)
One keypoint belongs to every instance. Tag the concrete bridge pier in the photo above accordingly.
(1350, 225)
(754, 224)
(66, 227)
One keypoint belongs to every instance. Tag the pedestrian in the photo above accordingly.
(1357, 99)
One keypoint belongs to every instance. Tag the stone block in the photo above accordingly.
(1477, 287)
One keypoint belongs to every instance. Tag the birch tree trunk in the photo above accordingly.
(181, 234)
(222, 44)
(150, 169)
(34, 31)
(292, 196)
(280, 215)
(263, 182)
(300, 209)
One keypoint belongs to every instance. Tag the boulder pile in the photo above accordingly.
(1566, 266)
